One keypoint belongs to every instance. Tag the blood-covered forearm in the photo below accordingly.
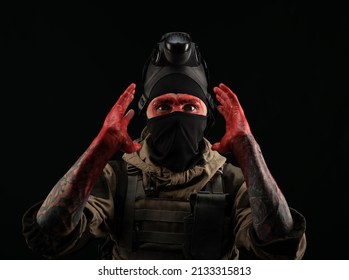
(62, 209)
(271, 215)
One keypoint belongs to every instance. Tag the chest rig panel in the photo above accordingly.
(160, 227)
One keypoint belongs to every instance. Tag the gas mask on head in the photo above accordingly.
(176, 66)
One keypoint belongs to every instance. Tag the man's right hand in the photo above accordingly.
(116, 123)
(62, 209)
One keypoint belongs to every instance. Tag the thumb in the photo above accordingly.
(131, 147)
(216, 146)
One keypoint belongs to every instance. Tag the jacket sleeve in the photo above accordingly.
(95, 222)
(247, 243)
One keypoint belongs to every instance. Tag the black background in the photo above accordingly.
(65, 66)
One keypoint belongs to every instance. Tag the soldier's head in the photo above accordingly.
(176, 102)
(176, 66)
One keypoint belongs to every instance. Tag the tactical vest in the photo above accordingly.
(154, 227)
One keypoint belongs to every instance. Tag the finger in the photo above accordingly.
(130, 88)
(224, 87)
(223, 96)
(215, 146)
(219, 148)
(131, 147)
(126, 97)
(222, 100)
(128, 116)
(229, 93)
(220, 109)
(225, 108)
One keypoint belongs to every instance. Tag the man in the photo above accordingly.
(173, 195)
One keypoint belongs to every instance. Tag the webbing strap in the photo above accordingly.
(215, 184)
(159, 237)
(128, 217)
(160, 215)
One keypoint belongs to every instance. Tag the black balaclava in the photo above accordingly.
(176, 137)
(175, 140)
(176, 66)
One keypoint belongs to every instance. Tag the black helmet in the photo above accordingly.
(176, 65)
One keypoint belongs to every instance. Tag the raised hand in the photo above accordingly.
(62, 209)
(116, 122)
(236, 122)
(270, 213)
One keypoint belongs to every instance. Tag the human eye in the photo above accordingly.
(163, 107)
(189, 108)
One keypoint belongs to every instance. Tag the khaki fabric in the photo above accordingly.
(100, 217)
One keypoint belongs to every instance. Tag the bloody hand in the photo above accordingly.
(62, 209)
(271, 216)
(116, 123)
(236, 122)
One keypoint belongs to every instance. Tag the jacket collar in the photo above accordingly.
(169, 180)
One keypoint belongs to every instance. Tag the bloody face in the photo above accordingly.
(176, 123)
(172, 102)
